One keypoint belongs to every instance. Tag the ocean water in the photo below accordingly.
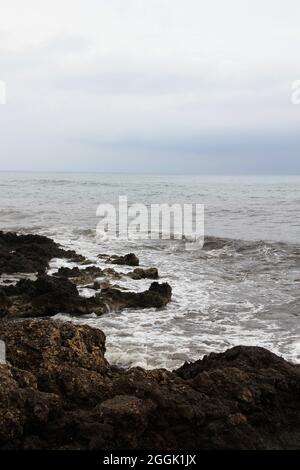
(241, 288)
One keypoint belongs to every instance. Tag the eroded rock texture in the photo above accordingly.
(44, 295)
(29, 253)
(49, 295)
(57, 391)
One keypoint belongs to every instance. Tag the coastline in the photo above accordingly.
(59, 392)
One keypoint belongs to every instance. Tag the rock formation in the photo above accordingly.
(57, 391)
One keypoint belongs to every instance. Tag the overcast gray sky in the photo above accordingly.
(167, 86)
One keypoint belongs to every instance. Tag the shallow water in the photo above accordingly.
(239, 290)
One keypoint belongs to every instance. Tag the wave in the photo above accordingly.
(211, 243)
(240, 246)
(11, 212)
(64, 182)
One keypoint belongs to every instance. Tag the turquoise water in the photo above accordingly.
(243, 290)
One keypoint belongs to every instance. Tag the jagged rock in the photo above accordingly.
(68, 272)
(44, 297)
(87, 275)
(29, 253)
(129, 260)
(246, 358)
(57, 391)
(163, 290)
(140, 273)
(157, 296)
(80, 276)
(49, 348)
(50, 295)
(91, 273)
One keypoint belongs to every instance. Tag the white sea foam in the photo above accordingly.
(217, 303)
(231, 292)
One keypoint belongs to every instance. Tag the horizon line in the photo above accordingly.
(146, 173)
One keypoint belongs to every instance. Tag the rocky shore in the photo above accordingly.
(41, 295)
(57, 390)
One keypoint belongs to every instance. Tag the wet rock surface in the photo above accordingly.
(30, 253)
(48, 295)
(127, 260)
(45, 295)
(140, 273)
(91, 273)
(157, 296)
(81, 276)
(57, 391)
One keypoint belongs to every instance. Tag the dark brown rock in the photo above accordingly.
(5, 303)
(129, 260)
(58, 392)
(80, 276)
(157, 296)
(50, 295)
(68, 272)
(140, 273)
(29, 253)
(44, 297)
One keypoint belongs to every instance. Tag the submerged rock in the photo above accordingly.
(57, 391)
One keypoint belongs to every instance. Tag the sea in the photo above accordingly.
(242, 287)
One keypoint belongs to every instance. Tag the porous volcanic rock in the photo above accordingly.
(80, 276)
(83, 276)
(141, 273)
(129, 260)
(57, 391)
(49, 295)
(30, 253)
(157, 296)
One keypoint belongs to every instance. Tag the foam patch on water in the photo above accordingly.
(222, 297)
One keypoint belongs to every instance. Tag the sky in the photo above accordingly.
(150, 86)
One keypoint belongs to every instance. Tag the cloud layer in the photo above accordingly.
(154, 85)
